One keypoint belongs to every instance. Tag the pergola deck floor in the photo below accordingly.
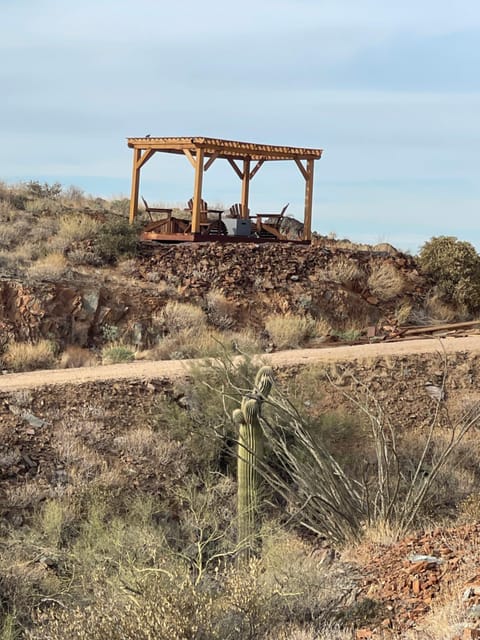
(202, 237)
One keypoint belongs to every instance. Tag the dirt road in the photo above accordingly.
(177, 368)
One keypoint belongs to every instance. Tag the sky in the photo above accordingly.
(390, 90)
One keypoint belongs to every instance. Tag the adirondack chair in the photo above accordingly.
(235, 211)
(267, 225)
(167, 224)
(203, 209)
(209, 227)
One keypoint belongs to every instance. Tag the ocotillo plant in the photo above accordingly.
(250, 453)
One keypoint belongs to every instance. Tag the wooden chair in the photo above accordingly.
(203, 209)
(210, 227)
(235, 211)
(167, 224)
(267, 225)
(151, 210)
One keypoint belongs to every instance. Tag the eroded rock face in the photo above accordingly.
(260, 279)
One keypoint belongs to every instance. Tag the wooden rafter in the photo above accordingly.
(226, 148)
(253, 172)
(145, 157)
(303, 171)
(210, 161)
(236, 168)
(192, 160)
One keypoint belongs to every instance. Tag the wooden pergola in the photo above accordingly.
(245, 159)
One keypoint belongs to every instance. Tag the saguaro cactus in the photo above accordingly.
(250, 453)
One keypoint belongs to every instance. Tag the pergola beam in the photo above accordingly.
(235, 167)
(303, 171)
(210, 161)
(253, 172)
(191, 159)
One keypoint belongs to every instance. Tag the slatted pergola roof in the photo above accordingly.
(202, 153)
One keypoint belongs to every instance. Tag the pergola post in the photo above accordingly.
(197, 191)
(245, 187)
(307, 222)
(135, 185)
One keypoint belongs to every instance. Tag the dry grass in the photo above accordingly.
(51, 267)
(24, 356)
(81, 461)
(346, 272)
(438, 310)
(77, 227)
(385, 281)
(193, 342)
(220, 311)
(290, 330)
(182, 316)
(403, 313)
(74, 357)
(26, 495)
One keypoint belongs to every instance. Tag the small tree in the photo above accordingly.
(454, 265)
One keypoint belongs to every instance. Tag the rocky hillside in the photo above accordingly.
(349, 290)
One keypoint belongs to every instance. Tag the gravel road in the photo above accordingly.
(172, 369)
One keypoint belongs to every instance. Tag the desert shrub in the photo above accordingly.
(25, 356)
(236, 603)
(290, 330)
(75, 356)
(385, 281)
(115, 239)
(437, 309)
(74, 194)
(35, 189)
(469, 509)
(454, 265)
(117, 353)
(76, 227)
(345, 271)
(18, 201)
(244, 341)
(8, 236)
(220, 311)
(120, 206)
(52, 266)
(182, 316)
(189, 343)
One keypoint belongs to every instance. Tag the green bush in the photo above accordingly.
(454, 265)
(114, 239)
(45, 190)
(117, 353)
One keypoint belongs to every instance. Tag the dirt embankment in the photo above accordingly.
(120, 397)
(87, 304)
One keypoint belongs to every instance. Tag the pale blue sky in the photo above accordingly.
(390, 90)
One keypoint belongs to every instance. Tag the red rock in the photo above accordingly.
(363, 634)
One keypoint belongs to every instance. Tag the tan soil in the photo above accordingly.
(173, 369)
